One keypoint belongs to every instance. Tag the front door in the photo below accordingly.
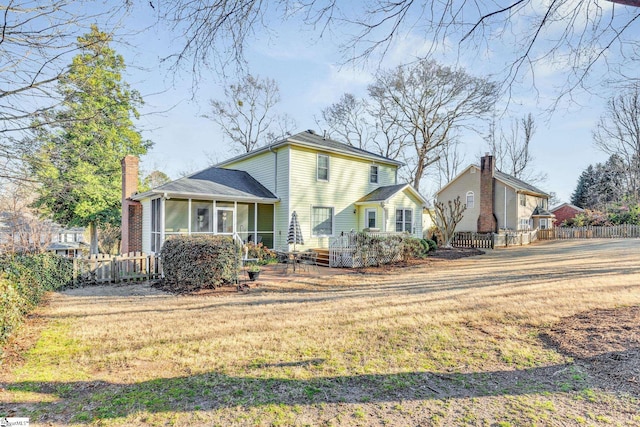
(224, 221)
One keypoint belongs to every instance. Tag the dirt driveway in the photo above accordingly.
(540, 335)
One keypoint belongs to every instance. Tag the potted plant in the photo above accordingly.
(254, 272)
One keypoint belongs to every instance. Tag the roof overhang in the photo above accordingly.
(409, 187)
(201, 196)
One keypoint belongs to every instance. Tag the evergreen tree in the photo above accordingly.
(583, 194)
(77, 161)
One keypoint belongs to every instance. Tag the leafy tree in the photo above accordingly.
(77, 160)
(246, 115)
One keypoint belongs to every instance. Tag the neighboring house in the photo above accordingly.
(23, 231)
(496, 201)
(69, 242)
(334, 188)
(565, 211)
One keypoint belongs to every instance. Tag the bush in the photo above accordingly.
(263, 254)
(23, 281)
(432, 245)
(412, 248)
(190, 263)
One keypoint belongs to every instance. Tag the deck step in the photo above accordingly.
(323, 257)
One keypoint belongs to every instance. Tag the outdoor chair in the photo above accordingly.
(309, 260)
(286, 259)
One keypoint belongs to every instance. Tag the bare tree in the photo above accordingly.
(512, 148)
(618, 133)
(576, 35)
(446, 217)
(349, 120)
(246, 115)
(450, 161)
(428, 103)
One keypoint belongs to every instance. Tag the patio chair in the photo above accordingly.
(309, 260)
(286, 259)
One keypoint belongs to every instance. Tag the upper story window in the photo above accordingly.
(373, 174)
(523, 199)
(323, 167)
(470, 200)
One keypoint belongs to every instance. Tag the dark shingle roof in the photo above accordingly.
(517, 183)
(381, 194)
(538, 211)
(312, 140)
(218, 182)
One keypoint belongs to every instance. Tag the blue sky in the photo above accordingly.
(310, 79)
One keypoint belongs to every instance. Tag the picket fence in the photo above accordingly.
(599, 232)
(494, 240)
(103, 268)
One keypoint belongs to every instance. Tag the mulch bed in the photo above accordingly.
(606, 343)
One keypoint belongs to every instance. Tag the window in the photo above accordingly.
(371, 218)
(523, 224)
(373, 174)
(470, 199)
(322, 221)
(543, 223)
(404, 220)
(156, 235)
(323, 167)
(523, 200)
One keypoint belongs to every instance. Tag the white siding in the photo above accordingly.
(466, 182)
(405, 200)
(263, 167)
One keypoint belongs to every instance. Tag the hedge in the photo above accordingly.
(23, 281)
(190, 263)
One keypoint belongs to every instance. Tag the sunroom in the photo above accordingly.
(214, 201)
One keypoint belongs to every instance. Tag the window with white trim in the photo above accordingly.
(404, 220)
(523, 199)
(523, 224)
(323, 167)
(321, 221)
(373, 174)
(470, 200)
(371, 218)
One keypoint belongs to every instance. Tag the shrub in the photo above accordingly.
(260, 252)
(412, 248)
(433, 246)
(198, 262)
(23, 281)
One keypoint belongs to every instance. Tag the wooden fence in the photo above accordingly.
(103, 268)
(609, 232)
(494, 240)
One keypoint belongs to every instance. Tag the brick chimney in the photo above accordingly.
(487, 221)
(131, 225)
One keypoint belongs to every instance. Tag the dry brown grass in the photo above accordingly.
(446, 343)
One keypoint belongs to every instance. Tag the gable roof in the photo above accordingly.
(574, 207)
(538, 211)
(517, 184)
(382, 194)
(214, 182)
(310, 139)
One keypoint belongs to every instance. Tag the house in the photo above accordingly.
(69, 242)
(333, 187)
(565, 212)
(496, 201)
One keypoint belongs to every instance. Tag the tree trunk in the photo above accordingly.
(93, 229)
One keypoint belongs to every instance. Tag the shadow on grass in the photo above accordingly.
(96, 400)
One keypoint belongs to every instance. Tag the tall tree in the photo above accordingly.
(600, 185)
(512, 148)
(349, 120)
(247, 115)
(37, 40)
(618, 133)
(428, 103)
(77, 160)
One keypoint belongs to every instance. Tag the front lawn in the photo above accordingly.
(471, 341)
